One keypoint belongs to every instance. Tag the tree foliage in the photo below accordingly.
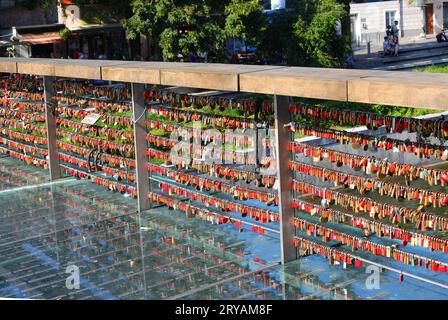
(245, 20)
(103, 11)
(317, 37)
(304, 34)
(178, 26)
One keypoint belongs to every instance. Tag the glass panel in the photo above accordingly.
(49, 227)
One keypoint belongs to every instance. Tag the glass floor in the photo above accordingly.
(48, 229)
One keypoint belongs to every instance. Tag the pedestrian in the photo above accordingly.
(388, 31)
(387, 47)
(395, 35)
(394, 29)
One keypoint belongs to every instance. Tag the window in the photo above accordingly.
(390, 17)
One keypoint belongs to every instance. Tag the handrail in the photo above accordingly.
(400, 88)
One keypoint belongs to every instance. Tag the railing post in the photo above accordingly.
(284, 176)
(142, 174)
(50, 120)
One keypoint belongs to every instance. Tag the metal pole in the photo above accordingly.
(55, 221)
(50, 119)
(258, 103)
(142, 174)
(284, 177)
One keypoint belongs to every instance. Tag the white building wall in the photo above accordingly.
(412, 23)
(371, 24)
(373, 13)
(438, 14)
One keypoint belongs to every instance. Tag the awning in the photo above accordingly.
(43, 38)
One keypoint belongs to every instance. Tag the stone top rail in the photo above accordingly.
(400, 88)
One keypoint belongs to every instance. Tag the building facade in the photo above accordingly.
(93, 40)
(67, 33)
(14, 17)
(417, 18)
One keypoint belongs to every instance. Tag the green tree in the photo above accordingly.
(179, 26)
(245, 20)
(193, 28)
(279, 39)
(103, 11)
(148, 18)
(318, 39)
(304, 34)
